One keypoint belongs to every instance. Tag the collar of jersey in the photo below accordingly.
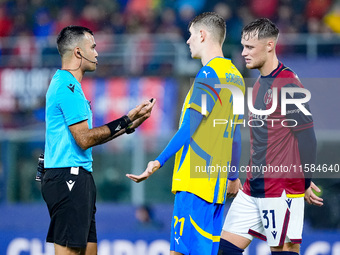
(71, 75)
(274, 71)
(216, 57)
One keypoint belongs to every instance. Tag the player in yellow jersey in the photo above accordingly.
(205, 150)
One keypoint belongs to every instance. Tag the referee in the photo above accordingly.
(67, 186)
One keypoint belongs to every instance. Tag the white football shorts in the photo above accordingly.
(276, 220)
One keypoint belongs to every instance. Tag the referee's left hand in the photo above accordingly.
(152, 167)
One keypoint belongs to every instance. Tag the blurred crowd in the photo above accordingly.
(28, 29)
(44, 18)
(26, 26)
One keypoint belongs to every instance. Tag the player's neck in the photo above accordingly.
(269, 66)
(210, 54)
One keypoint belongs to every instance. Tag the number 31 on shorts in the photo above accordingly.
(269, 220)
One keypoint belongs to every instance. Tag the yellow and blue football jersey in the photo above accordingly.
(201, 165)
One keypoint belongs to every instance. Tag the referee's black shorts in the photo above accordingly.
(71, 202)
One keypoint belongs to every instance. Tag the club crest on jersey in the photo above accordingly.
(268, 96)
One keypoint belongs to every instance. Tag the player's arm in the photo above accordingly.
(234, 183)
(307, 149)
(304, 132)
(191, 121)
(86, 137)
(305, 135)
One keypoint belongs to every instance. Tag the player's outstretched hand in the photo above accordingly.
(233, 187)
(142, 110)
(152, 167)
(310, 196)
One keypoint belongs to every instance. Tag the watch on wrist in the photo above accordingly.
(129, 130)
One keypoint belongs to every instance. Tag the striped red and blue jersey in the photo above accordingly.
(274, 153)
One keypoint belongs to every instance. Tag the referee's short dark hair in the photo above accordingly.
(69, 37)
(214, 23)
(262, 27)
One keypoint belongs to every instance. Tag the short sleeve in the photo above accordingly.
(72, 103)
(205, 85)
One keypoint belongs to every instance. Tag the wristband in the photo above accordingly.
(127, 120)
(118, 124)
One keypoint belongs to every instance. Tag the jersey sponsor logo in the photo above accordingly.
(257, 117)
(289, 202)
(70, 184)
(268, 97)
(71, 87)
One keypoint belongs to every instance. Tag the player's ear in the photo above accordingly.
(270, 45)
(203, 35)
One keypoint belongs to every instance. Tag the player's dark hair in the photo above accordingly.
(262, 27)
(214, 23)
(69, 37)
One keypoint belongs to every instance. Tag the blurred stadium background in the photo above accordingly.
(142, 54)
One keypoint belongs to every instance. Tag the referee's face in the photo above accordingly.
(254, 51)
(89, 54)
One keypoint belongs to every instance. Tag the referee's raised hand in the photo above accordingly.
(142, 110)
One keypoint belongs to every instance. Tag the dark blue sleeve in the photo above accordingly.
(302, 121)
(191, 121)
(307, 149)
(236, 154)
